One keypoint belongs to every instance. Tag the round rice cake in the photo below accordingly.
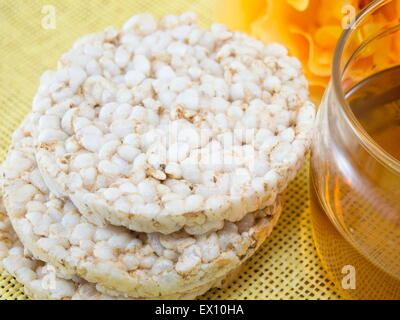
(41, 281)
(135, 264)
(162, 125)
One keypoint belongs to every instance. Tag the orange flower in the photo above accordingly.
(310, 29)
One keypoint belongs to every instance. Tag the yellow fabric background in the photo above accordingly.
(286, 266)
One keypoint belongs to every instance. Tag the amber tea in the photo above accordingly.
(363, 257)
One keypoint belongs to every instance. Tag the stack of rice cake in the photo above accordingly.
(153, 162)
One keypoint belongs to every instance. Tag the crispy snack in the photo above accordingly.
(134, 264)
(41, 281)
(162, 126)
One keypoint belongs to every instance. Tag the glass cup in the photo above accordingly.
(355, 176)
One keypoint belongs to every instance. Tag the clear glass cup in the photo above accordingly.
(355, 178)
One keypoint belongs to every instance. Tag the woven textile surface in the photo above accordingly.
(285, 267)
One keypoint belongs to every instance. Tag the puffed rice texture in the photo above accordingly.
(135, 264)
(163, 126)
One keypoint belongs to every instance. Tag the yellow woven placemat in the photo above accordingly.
(286, 266)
